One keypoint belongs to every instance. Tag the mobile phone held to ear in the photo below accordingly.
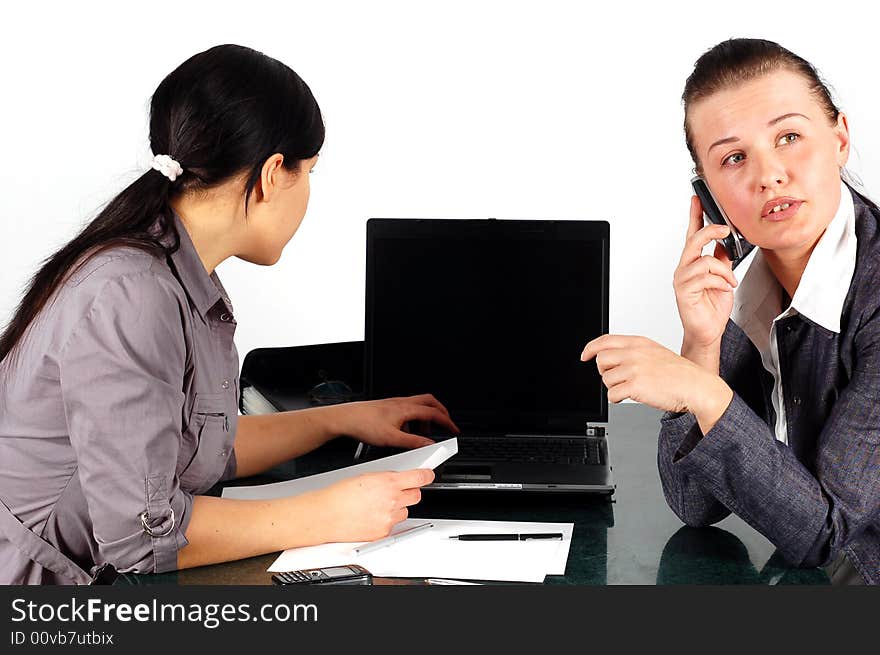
(349, 574)
(737, 247)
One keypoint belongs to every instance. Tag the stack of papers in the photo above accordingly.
(426, 457)
(432, 554)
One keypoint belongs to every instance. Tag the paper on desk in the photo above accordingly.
(433, 554)
(426, 457)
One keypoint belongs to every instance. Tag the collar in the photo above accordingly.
(203, 290)
(824, 284)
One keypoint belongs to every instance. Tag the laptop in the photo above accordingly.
(490, 316)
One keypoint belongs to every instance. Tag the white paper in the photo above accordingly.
(432, 554)
(426, 457)
(254, 403)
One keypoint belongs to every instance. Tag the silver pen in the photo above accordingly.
(392, 539)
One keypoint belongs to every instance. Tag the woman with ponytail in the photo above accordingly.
(119, 373)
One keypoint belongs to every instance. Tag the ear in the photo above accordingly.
(270, 178)
(841, 130)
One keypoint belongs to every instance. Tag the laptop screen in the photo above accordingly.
(489, 316)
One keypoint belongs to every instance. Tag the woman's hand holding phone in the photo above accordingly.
(703, 290)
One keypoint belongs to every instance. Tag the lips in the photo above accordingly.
(778, 208)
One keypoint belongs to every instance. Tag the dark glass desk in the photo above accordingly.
(631, 538)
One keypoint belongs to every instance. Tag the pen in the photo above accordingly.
(392, 539)
(508, 536)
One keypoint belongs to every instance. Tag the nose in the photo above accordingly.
(769, 170)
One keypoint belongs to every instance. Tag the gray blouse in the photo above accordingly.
(116, 408)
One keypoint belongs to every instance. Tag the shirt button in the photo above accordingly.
(224, 452)
(225, 384)
(225, 317)
(797, 400)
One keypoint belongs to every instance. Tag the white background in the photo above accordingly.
(545, 110)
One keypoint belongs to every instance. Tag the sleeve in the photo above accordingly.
(122, 371)
(691, 501)
(229, 473)
(808, 516)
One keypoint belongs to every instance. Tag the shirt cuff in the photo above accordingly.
(165, 547)
(679, 434)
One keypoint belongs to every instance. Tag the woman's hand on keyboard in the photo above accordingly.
(381, 422)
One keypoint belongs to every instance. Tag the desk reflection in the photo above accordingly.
(711, 555)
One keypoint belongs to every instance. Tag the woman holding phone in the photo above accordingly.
(119, 373)
(772, 402)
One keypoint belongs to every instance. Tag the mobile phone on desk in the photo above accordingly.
(736, 246)
(350, 574)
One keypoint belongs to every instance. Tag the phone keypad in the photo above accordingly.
(348, 574)
(297, 577)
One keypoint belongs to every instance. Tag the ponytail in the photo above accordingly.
(219, 114)
(126, 221)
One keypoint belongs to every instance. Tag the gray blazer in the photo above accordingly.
(820, 495)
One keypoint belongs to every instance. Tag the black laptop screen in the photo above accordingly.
(490, 317)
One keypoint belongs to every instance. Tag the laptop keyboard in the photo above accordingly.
(523, 449)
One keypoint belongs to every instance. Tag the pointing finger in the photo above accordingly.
(607, 341)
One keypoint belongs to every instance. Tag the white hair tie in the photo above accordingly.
(167, 166)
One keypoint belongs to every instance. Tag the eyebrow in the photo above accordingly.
(778, 119)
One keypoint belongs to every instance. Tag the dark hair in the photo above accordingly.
(220, 114)
(735, 61)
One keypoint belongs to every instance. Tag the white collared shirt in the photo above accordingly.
(819, 297)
